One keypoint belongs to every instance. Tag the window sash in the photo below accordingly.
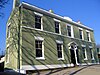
(91, 53)
(69, 30)
(8, 33)
(88, 37)
(84, 52)
(59, 49)
(38, 46)
(56, 27)
(37, 22)
(80, 32)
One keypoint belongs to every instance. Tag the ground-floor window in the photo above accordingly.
(84, 53)
(60, 51)
(38, 46)
(91, 54)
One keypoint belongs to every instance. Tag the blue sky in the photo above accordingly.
(87, 11)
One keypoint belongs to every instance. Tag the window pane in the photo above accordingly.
(59, 49)
(69, 30)
(8, 33)
(57, 27)
(83, 49)
(37, 22)
(80, 32)
(38, 53)
(91, 53)
(38, 45)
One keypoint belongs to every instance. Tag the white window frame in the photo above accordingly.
(84, 46)
(8, 30)
(91, 48)
(39, 14)
(56, 20)
(89, 35)
(7, 53)
(72, 32)
(60, 42)
(82, 33)
(40, 39)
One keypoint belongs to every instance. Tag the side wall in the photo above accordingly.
(11, 57)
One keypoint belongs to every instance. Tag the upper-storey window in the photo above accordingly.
(57, 27)
(69, 30)
(37, 22)
(88, 36)
(81, 33)
(8, 33)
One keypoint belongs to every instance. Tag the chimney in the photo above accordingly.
(16, 3)
(51, 11)
(79, 21)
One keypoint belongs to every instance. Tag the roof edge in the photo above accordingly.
(27, 5)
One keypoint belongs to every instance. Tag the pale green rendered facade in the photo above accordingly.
(22, 37)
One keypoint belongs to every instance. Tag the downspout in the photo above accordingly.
(19, 39)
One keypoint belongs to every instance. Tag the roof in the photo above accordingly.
(26, 5)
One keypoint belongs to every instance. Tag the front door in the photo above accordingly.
(73, 60)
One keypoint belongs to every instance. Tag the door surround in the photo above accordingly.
(74, 46)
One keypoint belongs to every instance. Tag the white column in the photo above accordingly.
(76, 56)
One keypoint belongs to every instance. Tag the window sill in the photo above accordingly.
(60, 58)
(40, 58)
(92, 59)
(85, 59)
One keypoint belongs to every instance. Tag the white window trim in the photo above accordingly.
(40, 39)
(9, 24)
(90, 47)
(72, 32)
(61, 42)
(82, 33)
(56, 20)
(39, 14)
(89, 35)
(8, 52)
(84, 46)
(59, 25)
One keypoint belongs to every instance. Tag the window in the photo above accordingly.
(81, 34)
(69, 31)
(7, 55)
(84, 53)
(91, 54)
(37, 22)
(38, 46)
(59, 49)
(57, 27)
(88, 36)
(8, 33)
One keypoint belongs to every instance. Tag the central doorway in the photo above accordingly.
(74, 53)
(73, 60)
